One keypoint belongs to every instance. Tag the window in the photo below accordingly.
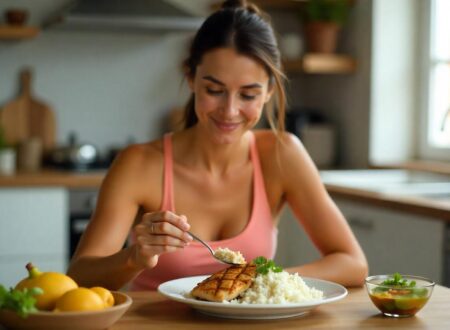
(436, 135)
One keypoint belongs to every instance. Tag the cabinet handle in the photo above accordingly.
(361, 223)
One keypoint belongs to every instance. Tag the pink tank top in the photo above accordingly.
(259, 237)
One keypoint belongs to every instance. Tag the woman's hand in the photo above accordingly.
(157, 233)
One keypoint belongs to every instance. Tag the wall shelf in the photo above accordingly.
(314, 63)
(8, 32)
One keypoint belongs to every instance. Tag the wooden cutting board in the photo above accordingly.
(26, 117)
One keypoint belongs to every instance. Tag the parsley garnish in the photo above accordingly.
(20, 301)
(263, 266)
(398, 281)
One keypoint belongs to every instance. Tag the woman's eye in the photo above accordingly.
(214, 91)
(248, 97)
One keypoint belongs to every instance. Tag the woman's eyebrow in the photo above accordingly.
(216, 81)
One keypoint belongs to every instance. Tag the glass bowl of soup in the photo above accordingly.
(399, 295)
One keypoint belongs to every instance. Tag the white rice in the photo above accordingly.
(228, 255)
(278, 288)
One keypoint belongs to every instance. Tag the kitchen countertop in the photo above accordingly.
(93, 179)
(150, 310)
(51, 178)
(412, 204)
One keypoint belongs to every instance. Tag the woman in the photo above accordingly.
(217, 177)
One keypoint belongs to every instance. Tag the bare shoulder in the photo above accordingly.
(137, 163)
(283, 155)
(140, 156)
(284, 145)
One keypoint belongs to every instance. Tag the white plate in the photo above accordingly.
(177, 289)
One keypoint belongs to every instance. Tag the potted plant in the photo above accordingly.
(323, 20)
(7, 156)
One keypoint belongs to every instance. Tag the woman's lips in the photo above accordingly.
(224, 126)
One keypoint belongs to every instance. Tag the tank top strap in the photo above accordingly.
(260, 196)
(167, 203)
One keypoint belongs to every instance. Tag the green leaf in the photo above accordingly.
(260, 260)
(398, 281)
(22, 302)
(277, 269)
(263, 266)
(327, 11)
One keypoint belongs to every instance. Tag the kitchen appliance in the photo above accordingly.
(82, 203)
(75, 155)
(319, 140)
(317, 135)
(26, 117)
(130, 15)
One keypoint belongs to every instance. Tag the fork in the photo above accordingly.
(198, 239)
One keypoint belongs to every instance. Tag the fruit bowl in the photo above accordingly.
(69, 320)
(402, 297)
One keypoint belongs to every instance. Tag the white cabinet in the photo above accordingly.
(397, 241)
(33, 227)
(392, 241)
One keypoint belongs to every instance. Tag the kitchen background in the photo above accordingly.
(117, 85)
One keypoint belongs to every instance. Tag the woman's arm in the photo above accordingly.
(343, 260)
(99, 258)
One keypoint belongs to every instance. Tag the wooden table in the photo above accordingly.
(153, 311)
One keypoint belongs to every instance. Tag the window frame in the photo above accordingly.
(425, 150)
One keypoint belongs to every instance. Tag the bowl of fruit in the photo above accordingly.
(399, 295)
(51, 300)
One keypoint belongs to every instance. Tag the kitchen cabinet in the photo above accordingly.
(392, 241)
(294, 246)
(18, 32)
(397, 241)
(33, 229)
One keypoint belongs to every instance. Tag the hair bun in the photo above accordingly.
(243, 4)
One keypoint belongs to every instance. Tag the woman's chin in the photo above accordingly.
(226, 137)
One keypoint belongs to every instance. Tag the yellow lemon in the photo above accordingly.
(53, 284)
(105, 294)
(80, 299)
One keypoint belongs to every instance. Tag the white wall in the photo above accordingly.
(105, 86)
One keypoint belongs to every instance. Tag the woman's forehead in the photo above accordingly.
(228, 66)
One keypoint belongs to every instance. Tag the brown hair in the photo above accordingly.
(248, 30)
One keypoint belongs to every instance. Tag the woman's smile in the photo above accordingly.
(224, 126)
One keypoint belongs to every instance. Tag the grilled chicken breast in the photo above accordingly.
(226, 284)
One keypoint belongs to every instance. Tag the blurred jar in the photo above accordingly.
(291, 46)
(29, 157)
(7, 161)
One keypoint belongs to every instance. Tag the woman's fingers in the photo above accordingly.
(160, 232)
(161, 240)
(166, 229)
(178, 221)
(167, 223)
(156, 250)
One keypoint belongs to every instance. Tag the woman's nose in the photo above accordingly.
(231, 106)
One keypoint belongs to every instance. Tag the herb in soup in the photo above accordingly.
(398, 280)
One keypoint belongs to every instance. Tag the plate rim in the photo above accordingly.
(310, 303)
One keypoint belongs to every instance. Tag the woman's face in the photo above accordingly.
(230, 92)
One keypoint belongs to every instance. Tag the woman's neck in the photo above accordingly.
(198, 151)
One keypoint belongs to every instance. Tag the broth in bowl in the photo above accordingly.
(399, 296)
